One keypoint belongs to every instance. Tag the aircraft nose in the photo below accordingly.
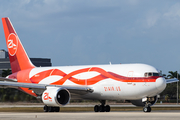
(160, 84)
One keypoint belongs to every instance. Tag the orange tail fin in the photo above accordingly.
(17, 55)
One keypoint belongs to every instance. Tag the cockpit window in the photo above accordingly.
(149, 74)
(156, 74)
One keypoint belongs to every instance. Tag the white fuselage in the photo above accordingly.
(109, 82)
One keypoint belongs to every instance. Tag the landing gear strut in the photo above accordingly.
(148, 102)
(102, 107)
(51, 109)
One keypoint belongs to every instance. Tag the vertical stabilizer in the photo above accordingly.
(17, 55)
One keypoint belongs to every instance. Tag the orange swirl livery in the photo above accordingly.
(56, 86)
(102, 75)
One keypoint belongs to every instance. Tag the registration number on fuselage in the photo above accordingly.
(112, 88)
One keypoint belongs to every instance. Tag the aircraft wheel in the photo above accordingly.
(96, 108)
(50, 109)
(56, 109)
(101, 108)
(46, 108)
(108, 108)
(147, 109)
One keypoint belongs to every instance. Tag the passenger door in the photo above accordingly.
(130, 75)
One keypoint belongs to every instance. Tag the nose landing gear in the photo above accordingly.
(148, 102)
(147, 109)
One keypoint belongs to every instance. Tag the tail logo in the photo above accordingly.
(12, 44)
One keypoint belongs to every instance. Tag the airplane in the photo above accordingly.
(56, 86)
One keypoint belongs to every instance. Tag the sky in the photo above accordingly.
(87, 32)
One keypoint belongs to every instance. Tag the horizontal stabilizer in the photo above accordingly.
(7, 79)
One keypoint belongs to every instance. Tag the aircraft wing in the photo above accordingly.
(39, 88)
(172, 80)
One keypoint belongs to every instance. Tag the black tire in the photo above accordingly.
(50, 109)
(101, 108)
(56, 109)
(46, 108)
(147, 109)
(107, 108)
(96, 108)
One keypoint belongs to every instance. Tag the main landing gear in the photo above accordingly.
(102, 107)
(51, 109)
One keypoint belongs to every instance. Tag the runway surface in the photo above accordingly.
(129, 105)
(134, 115)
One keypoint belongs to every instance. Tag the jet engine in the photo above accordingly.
(55, 96)
(142, 102)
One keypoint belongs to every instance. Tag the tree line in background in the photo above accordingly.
(170, 93)
(14, 95)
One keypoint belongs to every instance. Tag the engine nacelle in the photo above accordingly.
(142, 103)
(54, 96)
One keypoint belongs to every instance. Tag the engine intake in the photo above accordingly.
(54, 96)
(63, 97)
